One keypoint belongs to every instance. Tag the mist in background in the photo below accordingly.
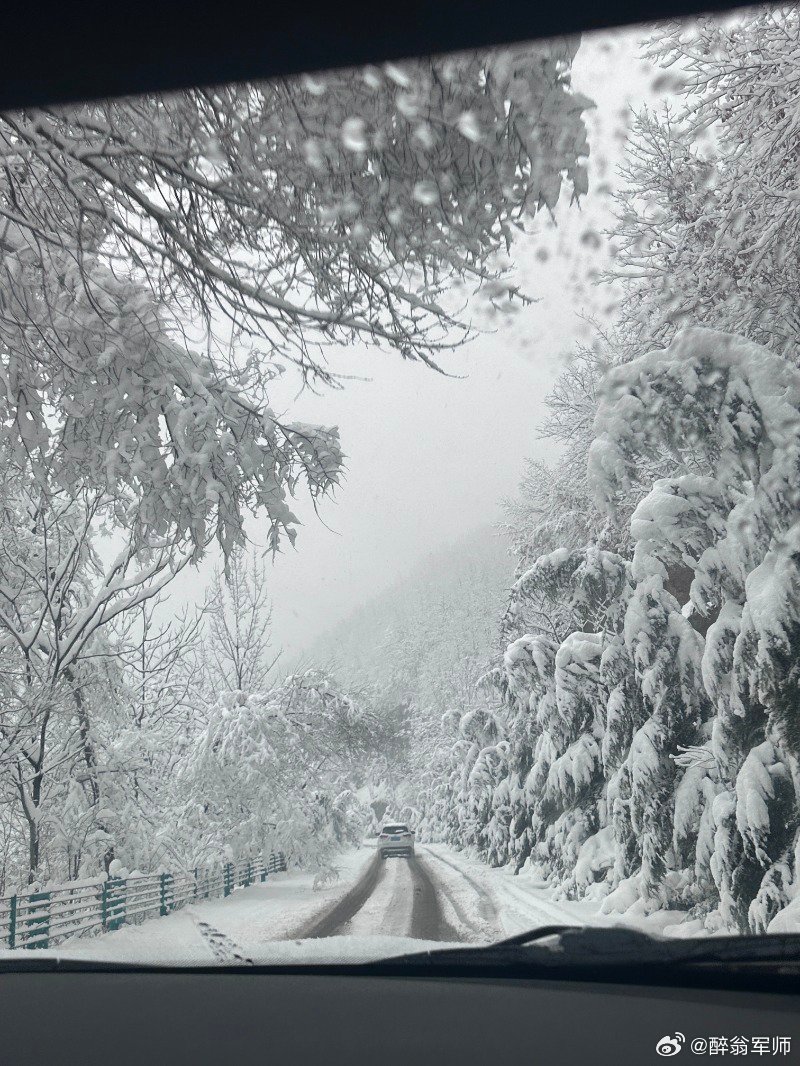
(431, 457)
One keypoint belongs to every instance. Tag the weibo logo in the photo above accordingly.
(670, 1045)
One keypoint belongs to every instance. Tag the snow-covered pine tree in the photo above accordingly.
(729, 408)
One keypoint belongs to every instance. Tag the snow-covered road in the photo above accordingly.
(402, 903)
(494, 903)
(403, 898)
(443, 896)
(376, 908)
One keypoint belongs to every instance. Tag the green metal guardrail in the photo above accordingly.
(40, 919)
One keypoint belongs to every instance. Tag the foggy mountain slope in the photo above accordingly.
(442, 612)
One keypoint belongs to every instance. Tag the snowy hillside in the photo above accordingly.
(445, 610)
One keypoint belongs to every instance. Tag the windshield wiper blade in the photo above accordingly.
(619, 946)
(593, 943)
(539, 932)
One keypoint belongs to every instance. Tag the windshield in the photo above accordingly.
(400, 510)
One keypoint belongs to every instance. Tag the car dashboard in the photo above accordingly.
(213, 1016)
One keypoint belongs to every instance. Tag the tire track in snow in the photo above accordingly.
(427, 921)
(488, 923)
(515, 908)
(395, 897)
(330, 923)
(388, 911)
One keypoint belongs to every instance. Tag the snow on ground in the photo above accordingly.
(787, 920)
(467, 906)
(478, 903)
(253, 918)
(388, 909)
(522, 902)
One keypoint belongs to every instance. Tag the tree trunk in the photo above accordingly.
(30, 807)
(90, 759)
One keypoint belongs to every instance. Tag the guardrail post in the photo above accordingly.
(227, 879)
(12, 922)
(277, 862)
(40, 923)
(263, 874)
(113, 902)
(165, 883)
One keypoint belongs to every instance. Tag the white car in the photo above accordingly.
(396, 839)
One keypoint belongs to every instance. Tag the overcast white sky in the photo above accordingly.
(432, 457)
